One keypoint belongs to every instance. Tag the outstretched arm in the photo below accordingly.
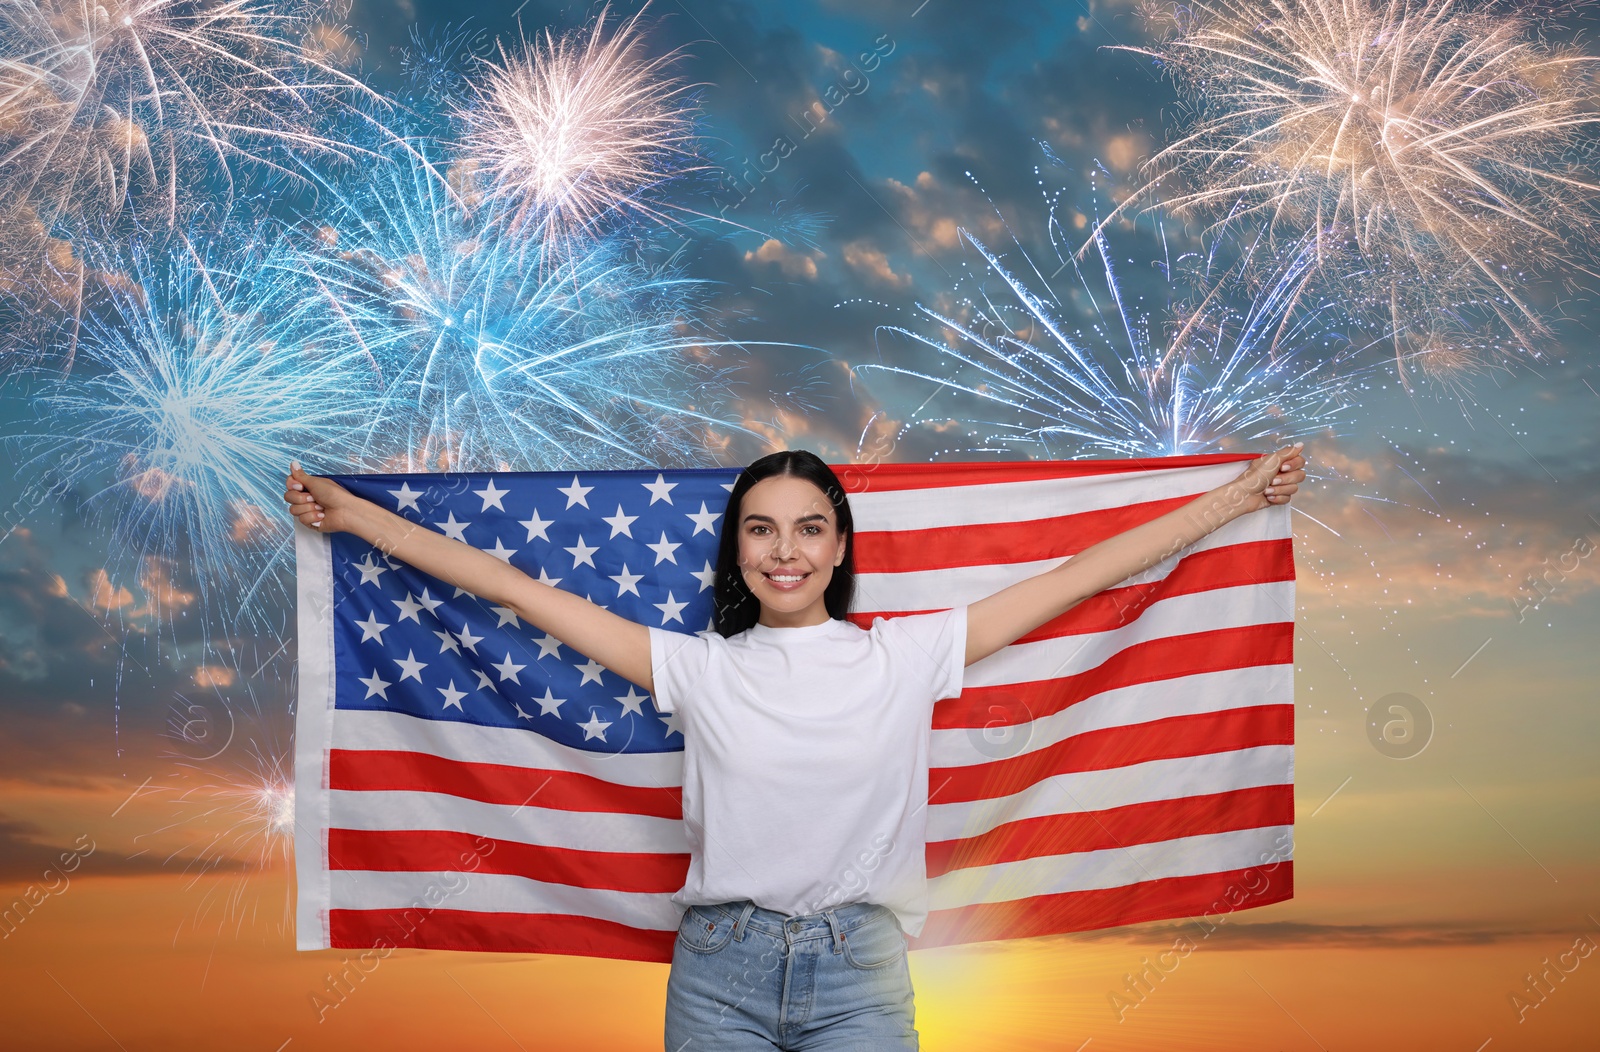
(1013, 612)
(620, 645)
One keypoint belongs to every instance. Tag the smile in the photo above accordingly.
(786, 581)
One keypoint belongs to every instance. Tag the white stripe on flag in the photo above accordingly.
(582, 830)
(1234, 688)
(499, 893)
(1219, 608)
(470, 743)
(1138, 783)
(1110, 868)
(987, 503)
(313, 556)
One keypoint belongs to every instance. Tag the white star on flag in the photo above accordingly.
(591, 671)
(371, 628)
(508, 670)
(582, 553)
(619, 522)
(632, 701)
(660, 489)
(576, 494)
(452, 528)
(370, 570)
(664, 549)
(627, 582)
(405, 497)
(452, 696)
(491, 496)
(670, 610)
(595, 728)
(704, 520)
(536, 526)
(411, 668)
(549, 704)
(467, 639)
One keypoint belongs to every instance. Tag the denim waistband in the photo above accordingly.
(830, 923)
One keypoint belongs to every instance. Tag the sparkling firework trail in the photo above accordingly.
(232, 811)
(486, 359)
(1433, 148)
(1202, 374)
(135, 104)
(571, 130)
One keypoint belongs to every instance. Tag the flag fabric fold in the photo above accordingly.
(466, 781)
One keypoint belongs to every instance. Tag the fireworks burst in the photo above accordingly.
(1431, 147)
(486, 360)
(198, 382)
(134, 103)
(1200, 373)
(573, 129)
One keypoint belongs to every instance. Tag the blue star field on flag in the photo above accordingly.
(642, 544)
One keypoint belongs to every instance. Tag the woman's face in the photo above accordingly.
(788, 529)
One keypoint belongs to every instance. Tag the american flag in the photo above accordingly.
(465, 781)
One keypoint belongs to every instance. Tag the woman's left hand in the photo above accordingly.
(1273, 478)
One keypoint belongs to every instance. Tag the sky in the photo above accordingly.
(1448, 887)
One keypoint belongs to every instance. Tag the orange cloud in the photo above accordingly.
(870, 260)
(251, 525)
(793, 264)
(161, 591)
(214, 676)
(106, 596)
(1393, 538)
(928, 210)
(1123, 152)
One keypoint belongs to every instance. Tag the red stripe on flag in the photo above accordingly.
(991, 543)
(1143, 823)
(1207, 899)
(1164, 739)
(437, 851)
(1170, 657)
(436, 929)
(859, 478)
(493, 783)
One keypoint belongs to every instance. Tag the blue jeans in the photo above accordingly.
(746, 978)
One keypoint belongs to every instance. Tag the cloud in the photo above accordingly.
(1461, 533)
(792, 264)
(26, 859)
(1256, 935)
(106, 595)
(872, 263)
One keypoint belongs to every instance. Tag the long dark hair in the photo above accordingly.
(737, 608)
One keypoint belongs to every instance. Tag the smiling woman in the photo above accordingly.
(788, 564)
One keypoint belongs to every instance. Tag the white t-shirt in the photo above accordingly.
(805, 766)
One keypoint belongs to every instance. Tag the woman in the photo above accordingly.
(805, 737)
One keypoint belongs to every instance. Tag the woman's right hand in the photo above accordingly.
(318, 502)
